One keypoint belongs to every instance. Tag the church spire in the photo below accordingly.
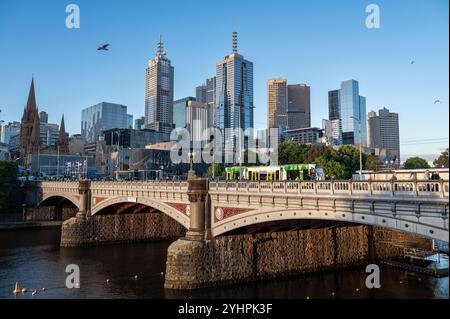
(62, 142)
(31, 103)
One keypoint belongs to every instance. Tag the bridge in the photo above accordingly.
(212, 208)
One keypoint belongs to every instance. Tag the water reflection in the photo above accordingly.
(35, 259)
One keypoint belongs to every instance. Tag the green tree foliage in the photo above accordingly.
(415, 163)
(348, 157)
(372, 163)
(333, 169)
(442, 160)
(217, 169)
(8, 182)
(291, 152)
(316, 151)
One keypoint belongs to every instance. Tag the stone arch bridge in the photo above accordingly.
(211, 208)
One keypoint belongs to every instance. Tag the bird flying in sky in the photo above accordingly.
(103, 47)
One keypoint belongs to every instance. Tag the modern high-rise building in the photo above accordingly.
(49, 133)
(8, 130)
(139, 123)
(351, 112)
(206, 93)
(333, 131)
(234, 94)
(277, 105)
(179, 111)
(159, 77)
(333, 105)
(298, 106)
(383, 133)
(129, 120)
(100, 117)
(196, 119)
(43, 117)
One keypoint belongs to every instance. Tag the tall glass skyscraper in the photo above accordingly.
(352, 109)
(234, 92)
(159, 92)
(101, 117)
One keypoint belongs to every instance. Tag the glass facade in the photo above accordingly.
(130, 138)
(159, 92)
(101, 117)
(352, 109)
(179, 111)
(234, 94)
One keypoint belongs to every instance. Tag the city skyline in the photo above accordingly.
(384, 68)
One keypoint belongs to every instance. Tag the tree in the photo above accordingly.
(332, 168)
(8, 182)
(217, 169)
(372, 162)
(348, 157)
(442, 160)
(316, 151)
(415, 163)
(291, 152)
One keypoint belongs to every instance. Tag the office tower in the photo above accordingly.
(308, 135)
(196, 119)
(179, 111)
(43, 117)
(9, 130)
(352, 112)
(383, 133)
(48, 133)
(100, 117)
(159, 92)
(200, 93)
(333, 105)
(277, 101)
(298, 106)
(139, 123)
(333, 131)
(234, 94)
(206, 93)
(129, 120)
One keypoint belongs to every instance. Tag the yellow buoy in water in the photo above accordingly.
(16, 288)
(24, 290)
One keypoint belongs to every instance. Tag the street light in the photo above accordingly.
(360, 145)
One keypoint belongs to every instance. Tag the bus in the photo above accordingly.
(275, 172)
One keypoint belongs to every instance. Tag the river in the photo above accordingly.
(35, 260)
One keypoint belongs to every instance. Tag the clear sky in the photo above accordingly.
(319, 43)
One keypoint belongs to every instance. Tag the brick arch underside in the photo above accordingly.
(121, 205)
(256, 221)
(59, 198)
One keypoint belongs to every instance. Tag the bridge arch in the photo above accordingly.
(158, 205)
(53, 195)
(403, 223)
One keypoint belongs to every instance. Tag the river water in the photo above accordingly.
(35, 260)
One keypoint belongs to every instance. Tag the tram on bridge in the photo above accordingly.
(276, 173)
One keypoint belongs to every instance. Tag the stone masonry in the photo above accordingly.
(238, 258)
(109, 229)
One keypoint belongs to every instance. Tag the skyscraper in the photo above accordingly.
(129, 120)
(43, 117)
(100, 117)
(139, 123)
(159, 92)
(299, 106)
(333, 105)
(234, 93)
(383, 133)
(277, 104)
(352, 112)
(206, 93)
(179, 114)
(196, 119)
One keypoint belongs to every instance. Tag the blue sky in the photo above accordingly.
(319, 43)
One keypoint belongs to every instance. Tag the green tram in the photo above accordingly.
(275, 173)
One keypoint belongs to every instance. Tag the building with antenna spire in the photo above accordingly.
(234, 93)
(159, 77)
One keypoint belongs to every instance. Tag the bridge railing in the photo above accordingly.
(139, 185)
(369, 187)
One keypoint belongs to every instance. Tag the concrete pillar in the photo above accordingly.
(84, 191)
(198, 195)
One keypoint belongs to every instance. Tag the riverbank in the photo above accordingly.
(11, 226)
